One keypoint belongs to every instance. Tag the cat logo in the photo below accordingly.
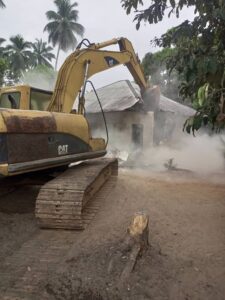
(62, 149)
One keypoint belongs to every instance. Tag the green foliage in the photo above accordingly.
(19, 56)
(2, 4)
(1, 48)
(3, 70)
(155, 62)
(63, 26)
(42, 53)
(199, 56)
(154, 65)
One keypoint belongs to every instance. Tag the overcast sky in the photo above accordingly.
(102, 20)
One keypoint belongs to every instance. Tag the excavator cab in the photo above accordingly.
(25, 97)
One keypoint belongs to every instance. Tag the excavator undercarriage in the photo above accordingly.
(68, 201)
(69, 197)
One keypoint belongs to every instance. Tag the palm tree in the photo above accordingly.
(2, 4)
(18, 54)
(42, 53)
(3, 63)
(1, 48)
(63, 26)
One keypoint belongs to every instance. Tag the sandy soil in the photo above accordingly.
(186, 257)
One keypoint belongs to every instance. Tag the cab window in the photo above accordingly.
(10, 100)
(39, 100)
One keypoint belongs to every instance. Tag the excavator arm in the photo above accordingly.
(84, 63)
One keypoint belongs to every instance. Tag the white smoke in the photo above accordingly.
(202, 154)
(42, 78)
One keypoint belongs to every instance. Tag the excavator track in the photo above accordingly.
(26, 272)
(65, 202)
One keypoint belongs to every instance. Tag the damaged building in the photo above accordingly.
(129, 125)
(134, 122)
(169, 117)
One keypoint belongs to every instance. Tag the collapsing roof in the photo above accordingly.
(117, 96)
(123, 95)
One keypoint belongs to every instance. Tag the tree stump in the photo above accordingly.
(133, 245)
(136, 240)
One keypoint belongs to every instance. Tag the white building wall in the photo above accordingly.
(120, 128)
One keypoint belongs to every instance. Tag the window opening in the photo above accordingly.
(10, 100)
(39, 100)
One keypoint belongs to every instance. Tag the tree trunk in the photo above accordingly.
(57, 57)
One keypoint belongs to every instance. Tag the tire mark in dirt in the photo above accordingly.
(23, 273)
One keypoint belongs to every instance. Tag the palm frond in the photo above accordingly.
(2, 40)
(77, 28)
(2, 4)
(52, 15)
(63, 27)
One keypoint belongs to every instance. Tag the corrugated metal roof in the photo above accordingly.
(117, 96)
(166, 104)
(123, 94)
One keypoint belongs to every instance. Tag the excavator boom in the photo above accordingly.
(84, 63)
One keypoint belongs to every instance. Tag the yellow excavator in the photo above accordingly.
(40, 130)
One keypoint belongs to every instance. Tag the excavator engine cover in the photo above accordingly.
(34, 140)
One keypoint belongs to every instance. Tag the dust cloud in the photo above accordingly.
(44, 80)
(203, 154)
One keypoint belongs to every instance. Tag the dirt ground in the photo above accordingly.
(185, 259)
